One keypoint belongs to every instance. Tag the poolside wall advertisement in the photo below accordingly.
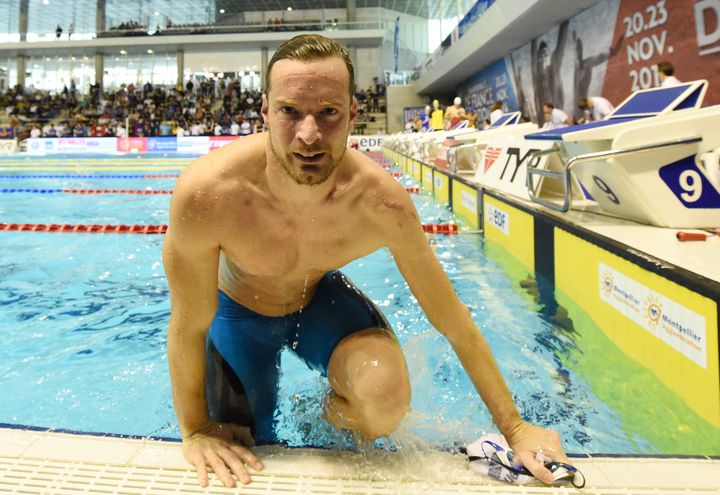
(190, 145)
(611, 49)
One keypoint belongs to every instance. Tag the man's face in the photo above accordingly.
(308, 112)
(547, 111)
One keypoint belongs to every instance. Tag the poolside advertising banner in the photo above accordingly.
(42, 146)
(610, 49)
(493, 83)
(684, 32)
(161, 144)
(132, 144)
(565, 64)
(193, 145)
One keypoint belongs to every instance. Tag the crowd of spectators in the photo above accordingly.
(208, 108)
(134, 28)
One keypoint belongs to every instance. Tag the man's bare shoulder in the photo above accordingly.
(235, 165)
(381, 193)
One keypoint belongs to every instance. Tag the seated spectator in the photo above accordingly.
(666, 74)
(496, 111)
(554, 117)
(594, 108)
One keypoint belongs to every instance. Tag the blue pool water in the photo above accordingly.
(83, 321)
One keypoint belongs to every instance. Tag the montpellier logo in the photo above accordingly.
(491, 155)
(607, 283)
(653, 310)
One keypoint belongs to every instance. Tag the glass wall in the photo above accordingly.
(139, 68)
(53, 72)
(10, 21)
(75, 18)
(8, 73)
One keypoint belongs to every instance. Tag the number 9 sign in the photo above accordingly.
(689, 184)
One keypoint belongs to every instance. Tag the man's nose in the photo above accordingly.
(308, 130)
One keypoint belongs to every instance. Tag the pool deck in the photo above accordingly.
(49, 463)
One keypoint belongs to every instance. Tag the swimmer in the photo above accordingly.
(258, 230)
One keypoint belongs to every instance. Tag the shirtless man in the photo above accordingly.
(454, 113)
(257, 232)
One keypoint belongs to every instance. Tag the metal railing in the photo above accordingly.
(565, 174)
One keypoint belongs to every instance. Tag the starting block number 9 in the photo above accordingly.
(691, 184)
(606, 189)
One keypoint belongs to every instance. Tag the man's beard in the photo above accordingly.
(299, 178)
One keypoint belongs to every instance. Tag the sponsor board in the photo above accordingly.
(676, 325)
(132, 144)
(163, 143)
(497, 218)
(8, 145)
(220, 141)
(42, 146)
(504, 168)
(365, 143)
(193, 145)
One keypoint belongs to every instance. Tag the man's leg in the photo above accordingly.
(370, 385)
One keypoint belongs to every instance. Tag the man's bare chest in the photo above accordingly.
(273, 244)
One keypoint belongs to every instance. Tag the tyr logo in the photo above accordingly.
(519, 160)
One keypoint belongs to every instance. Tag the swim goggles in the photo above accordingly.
(492, 459)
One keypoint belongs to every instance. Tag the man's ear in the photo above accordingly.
(264, 110)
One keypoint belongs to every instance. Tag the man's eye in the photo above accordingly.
(330, 111)
(287, 109)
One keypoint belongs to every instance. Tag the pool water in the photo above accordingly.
(83, 320)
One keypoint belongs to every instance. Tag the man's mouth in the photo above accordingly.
(309, 157)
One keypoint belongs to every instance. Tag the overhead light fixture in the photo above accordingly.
(150, 50)
(157, 13)
(123, 52)
(46, 2)
(222, 11)
(289, 9)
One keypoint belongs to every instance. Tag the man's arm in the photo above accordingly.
(190, 255)
(433, 290)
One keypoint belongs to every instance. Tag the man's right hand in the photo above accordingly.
(216, 445)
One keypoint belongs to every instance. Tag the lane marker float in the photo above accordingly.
(431, 228)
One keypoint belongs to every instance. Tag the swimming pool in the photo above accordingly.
(83, 320)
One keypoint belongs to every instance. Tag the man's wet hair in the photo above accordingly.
(311, 47)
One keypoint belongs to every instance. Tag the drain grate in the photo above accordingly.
(48, 477)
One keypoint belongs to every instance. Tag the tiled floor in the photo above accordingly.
(48, 463)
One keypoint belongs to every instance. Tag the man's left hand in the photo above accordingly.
(530, 442)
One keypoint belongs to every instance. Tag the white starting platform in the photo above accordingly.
(654, 160)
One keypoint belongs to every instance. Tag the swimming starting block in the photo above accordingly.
(654, 160)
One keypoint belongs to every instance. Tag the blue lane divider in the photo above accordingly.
(84, 176)
(37, 191)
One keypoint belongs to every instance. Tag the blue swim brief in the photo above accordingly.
(244, 349)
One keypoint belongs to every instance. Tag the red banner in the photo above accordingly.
(133, 143)
(685, 33)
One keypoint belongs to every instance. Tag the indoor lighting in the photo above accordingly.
(157, 13)
(123, 52)
(150, 50)
(222, 11)
(289, 9)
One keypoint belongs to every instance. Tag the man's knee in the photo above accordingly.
(368, 370)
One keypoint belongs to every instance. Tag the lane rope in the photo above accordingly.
(410, 190)
(92, 176)
(431, 228)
